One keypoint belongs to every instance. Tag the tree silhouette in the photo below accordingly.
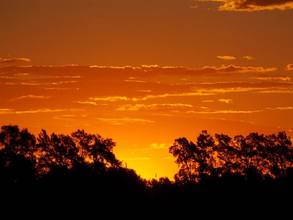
(63, 167)
(256, 155)
(16, 155)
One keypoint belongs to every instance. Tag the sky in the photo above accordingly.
(147, 72)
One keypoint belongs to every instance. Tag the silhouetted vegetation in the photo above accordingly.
(254, 156)
(83, 165)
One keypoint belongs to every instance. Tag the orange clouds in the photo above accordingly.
(240, 69)
(142, 117)
(138, 107)
(289, 67)
(227, 101)
(253, 5)
(32, 111)
(226, 57)
(32, 97)
(230, 58)
(248, 58)
(126, 120)
(15, 61)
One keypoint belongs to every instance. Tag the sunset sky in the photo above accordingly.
(145, 72)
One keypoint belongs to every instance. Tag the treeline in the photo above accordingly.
(84, 165)
(254, 156)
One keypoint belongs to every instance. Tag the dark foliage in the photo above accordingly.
(73, 169)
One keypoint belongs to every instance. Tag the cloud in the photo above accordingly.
(208, 101)
(43, 110)
(91, 103)
(110, 98)
(280, 108)
(225, 112)
(227, 101)
(122, 121)
(195, 93)
(248, 58)
(218, 91)
(251, 5)
(4, 111)
(112, 67)
(168, 95)
(241, 111)
(289, 67)
(274, 78)
(239, 69)
(138, 107)
(30, 84)
(157, 146)
(59, 88)
(144, 90)
(32, 97)
(277, 91)
(150, 66)
(140, 70)
(15, 61)
(67, 117)
(149, 97)
(205, 69)
(134, 81)
(35, 111)
(225, 57)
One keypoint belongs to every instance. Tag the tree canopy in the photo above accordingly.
(81, 164)
(265, 156)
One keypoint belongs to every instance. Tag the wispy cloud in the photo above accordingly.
(149, 97)
(134, 81)
(137, 107)
(43, 110)
(251, 5)
(280, 108)
(226, 57)
(227, 101)
(208, 101)
(218, 91)
(31, 97)
(113, 67)
(110, 98)
(67, 117)
(60, 88)
(239, 69)
(229, 111)
(14, 61)
(225, 112)
(4, 111)
(248, 58)
(289, 67)
(277, 91)
(91, 103)
(122, 121)
(195, 93)
(35, 111)
(30, 83)
(205, 69)
(159, 146)
(273, 78)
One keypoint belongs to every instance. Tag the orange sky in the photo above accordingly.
(147, 72)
